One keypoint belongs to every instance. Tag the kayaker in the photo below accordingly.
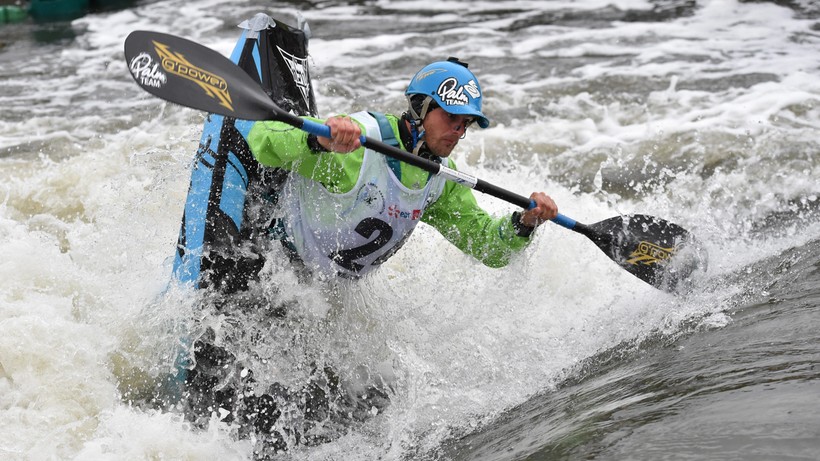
(348, 209)
(344, 210)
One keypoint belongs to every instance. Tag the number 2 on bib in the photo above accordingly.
(366, 228)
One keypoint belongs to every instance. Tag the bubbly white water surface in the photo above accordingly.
(706, 116)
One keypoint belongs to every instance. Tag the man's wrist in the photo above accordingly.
(314, 146)
(521, 229)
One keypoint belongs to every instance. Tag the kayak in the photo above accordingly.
(231, 195)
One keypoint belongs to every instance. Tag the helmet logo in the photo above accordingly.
(422, 75)
(452, 94)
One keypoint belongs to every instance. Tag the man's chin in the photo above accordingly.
(442, 152)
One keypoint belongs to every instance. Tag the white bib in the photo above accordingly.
(352, 233)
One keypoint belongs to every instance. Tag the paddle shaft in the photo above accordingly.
(435, 168)
(622, 239)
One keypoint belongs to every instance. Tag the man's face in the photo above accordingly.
(443, 130)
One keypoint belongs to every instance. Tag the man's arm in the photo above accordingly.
(278, 145)
(457, 216)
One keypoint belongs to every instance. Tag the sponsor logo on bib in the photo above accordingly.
(370, 195)
(394, 212)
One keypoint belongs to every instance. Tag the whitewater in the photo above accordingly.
(704, 113)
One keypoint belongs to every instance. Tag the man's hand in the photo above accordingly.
(545, 209)
(344, 135)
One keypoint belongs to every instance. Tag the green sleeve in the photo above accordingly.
(278, 145)
(463, 223)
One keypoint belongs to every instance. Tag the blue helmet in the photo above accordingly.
(451, 86)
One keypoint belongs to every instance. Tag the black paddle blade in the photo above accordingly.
(656, 251)
(191, 75)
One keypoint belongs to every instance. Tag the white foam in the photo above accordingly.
(93, 175)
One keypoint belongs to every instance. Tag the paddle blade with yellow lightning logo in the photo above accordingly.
(178, 70)
(656, 251)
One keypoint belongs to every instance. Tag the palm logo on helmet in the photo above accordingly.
(449, 85)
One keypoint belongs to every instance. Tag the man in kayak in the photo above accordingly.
(348, 209)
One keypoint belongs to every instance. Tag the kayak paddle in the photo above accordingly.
(192, 75)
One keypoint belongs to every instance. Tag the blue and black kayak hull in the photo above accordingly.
(230, 192)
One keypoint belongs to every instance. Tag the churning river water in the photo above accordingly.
(703, 112)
